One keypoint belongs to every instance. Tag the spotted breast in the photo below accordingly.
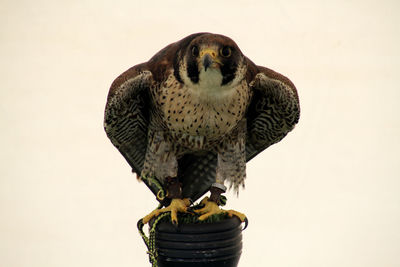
(197, 121)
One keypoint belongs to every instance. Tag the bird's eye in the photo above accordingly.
(195, 51)
(226, 51)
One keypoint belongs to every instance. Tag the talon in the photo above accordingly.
(246, 223)
(210, 208)
(177, 205)
(240, 215)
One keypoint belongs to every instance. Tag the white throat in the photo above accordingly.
(209, 88)
(210, 80)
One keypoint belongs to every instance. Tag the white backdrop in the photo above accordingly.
(327, 195)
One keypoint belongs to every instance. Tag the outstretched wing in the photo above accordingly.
(127, 114)
(126, 123)
(273, 111)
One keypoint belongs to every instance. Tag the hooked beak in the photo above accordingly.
(209, 59)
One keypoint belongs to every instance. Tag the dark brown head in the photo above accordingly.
(209, 60)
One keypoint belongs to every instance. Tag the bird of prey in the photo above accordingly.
(193, 115)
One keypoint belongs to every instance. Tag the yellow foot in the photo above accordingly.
(177, 205)
(211, 208)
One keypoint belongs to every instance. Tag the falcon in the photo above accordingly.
(189, 119)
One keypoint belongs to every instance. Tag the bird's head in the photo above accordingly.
(211, 62)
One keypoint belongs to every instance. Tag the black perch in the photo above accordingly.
(194, 245)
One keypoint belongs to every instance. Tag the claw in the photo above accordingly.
(246, 223)
(241, 217)
(177, 205)
(211, 208)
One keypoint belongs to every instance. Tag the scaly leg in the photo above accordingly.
(211, 207)
(177, 205)
(174, 191)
